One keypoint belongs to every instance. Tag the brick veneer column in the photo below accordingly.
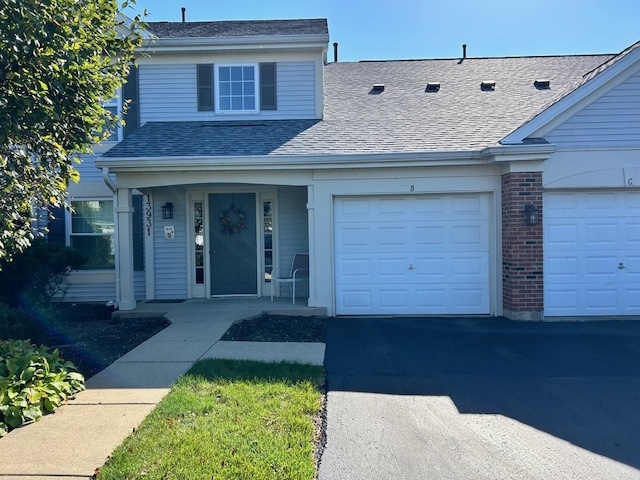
(522, 255)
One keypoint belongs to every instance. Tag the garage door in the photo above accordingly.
(592, 253)
(412, 255)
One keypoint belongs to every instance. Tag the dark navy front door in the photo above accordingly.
(234, 267)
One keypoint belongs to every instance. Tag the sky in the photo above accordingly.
(412, 29)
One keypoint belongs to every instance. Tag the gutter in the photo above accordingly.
(299, 162)
(518, 153)
(260, 43)
(107, 179)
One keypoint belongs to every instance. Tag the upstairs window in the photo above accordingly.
(127, 95)
(115, 131)
(229, 89)
(237, 90)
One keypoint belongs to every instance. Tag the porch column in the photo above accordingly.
(311, 219)
(124, 248)
(522, 256)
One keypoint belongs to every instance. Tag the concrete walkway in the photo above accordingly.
(80, 436)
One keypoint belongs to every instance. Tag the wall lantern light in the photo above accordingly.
(531, 214)
(167, 210)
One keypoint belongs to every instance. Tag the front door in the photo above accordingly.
(233, 251)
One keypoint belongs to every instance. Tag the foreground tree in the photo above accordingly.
(59, 61)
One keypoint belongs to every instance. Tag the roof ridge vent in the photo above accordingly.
(432, 87)
(542, 84)
(377, 89)
(488, 85)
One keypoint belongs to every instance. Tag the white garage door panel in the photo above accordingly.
(412, 255)
(588, 236)
(395, 300)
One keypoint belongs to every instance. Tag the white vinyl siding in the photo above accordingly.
(169, 93)
(296, 89)
(83, 291)
(293, 231)
(612, 120)
(87, 169)
(91, 292)
(170, 254)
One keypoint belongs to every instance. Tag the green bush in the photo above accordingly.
(33, 382)
(15, 324)
(38, 274)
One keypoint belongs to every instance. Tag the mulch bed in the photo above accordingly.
(278, 328)
(87, 335)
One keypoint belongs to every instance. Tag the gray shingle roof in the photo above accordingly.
(404, 118)
(232, 28)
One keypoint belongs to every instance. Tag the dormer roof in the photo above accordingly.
(237, 28)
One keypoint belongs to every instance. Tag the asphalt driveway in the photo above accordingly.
(427, 398)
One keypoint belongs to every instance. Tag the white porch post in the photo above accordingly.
(124, 237)
(311, 219)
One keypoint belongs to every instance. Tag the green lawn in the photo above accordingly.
(228, 420)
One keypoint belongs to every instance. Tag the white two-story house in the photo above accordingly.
(467, 186)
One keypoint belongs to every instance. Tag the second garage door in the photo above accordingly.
(592, 253)
(412, 254)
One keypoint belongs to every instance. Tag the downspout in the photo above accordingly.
(108, 181)
(112, 186)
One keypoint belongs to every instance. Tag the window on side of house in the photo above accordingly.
(92, 232)
(237, 90)
(113, 107)
(127, 95)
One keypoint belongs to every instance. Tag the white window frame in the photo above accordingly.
(116, 102)
(70, 233)
(256, 83)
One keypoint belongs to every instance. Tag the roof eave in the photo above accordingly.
(260, 42)
(519, 153)
(298, 162)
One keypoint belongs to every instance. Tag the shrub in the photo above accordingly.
(16, 324)
(33, 382)
(38, 274)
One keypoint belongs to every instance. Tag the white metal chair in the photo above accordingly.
(299, 272)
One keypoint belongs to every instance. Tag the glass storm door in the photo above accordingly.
(233, 246)
(199, 267)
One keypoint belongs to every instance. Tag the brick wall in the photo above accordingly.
(522, 255)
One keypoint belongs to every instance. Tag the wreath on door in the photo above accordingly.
(232, 220)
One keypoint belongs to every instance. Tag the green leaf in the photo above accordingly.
(13, 417)
(27, 374)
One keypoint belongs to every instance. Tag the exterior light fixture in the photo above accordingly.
(167, 210)
(531, 214)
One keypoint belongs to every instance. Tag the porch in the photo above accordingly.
(215, 240)
(230, 309)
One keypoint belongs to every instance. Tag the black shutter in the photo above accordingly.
(205, 88)
(57, 233)
(268, 88)
(130, 93)
(138, 237)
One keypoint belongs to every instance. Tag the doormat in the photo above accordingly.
(166, 301)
